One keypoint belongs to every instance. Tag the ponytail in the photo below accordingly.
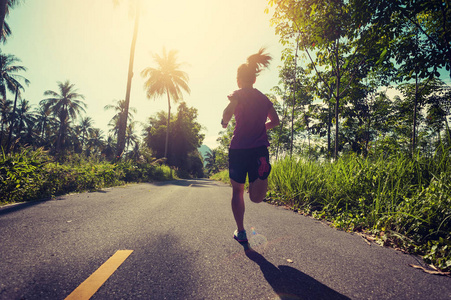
(249, 71)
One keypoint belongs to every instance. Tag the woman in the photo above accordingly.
(248, 151)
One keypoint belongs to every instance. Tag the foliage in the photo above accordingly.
(185, 138)
(418, 32)
(131, 171)
(405, 201)
(21, 175)
(222, 176)
(29, 175)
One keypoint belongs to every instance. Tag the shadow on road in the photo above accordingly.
(290, 283)
(202, 182)
(19, 206)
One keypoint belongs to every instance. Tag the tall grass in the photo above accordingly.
(404, 200)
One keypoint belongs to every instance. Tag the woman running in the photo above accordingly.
(248, 150)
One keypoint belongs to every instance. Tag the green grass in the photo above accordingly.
(405, 202)
(221, 176)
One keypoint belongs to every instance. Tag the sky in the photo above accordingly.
(88, 43)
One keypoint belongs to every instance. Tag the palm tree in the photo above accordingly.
(9, 80)
(64, 104)
(43, 124)
(120, 109)
(167, 79)
(131, 137)
(5, 5)
(109, 148)
(85, 129)
(24, 120)
(8, 77)
(95, 144)
(123, 118)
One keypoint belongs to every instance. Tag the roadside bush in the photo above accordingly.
(21, 175)
(30, 175)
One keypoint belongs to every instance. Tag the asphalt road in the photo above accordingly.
(181, 236)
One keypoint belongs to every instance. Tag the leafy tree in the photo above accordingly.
(419, 33)
(418, 95)
(281, 141)
(166, 78)
(155, 133)
(327, 28)
(211, 165)
(222, 151)
(65, 105)
(185, 139)
(438, 110)
(419, 40)
(296, 85)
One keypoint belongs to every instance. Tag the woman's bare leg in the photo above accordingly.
(238, 204)
(257, 190)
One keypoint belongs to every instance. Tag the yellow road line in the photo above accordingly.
(90, 286)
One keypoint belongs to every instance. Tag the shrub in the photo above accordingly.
(21, 174)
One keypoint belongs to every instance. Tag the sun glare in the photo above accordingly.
(88, 43)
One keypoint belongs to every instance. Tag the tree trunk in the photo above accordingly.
(284, 109)
(294, 97)
(61, 133)
(337, 104)
(167, 127)
(124, 116)
(367, 142)
(415, 104)
(329, 123)
(308, 136)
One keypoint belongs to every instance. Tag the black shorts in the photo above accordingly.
(252, 162)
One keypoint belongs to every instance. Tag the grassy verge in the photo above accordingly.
(221, 176)
(404, 202)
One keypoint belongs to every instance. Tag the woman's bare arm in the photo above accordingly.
(273, 119)
(228, 112)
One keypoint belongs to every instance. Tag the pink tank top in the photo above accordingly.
(250, 116)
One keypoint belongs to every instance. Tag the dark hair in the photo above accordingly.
(249, 71)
